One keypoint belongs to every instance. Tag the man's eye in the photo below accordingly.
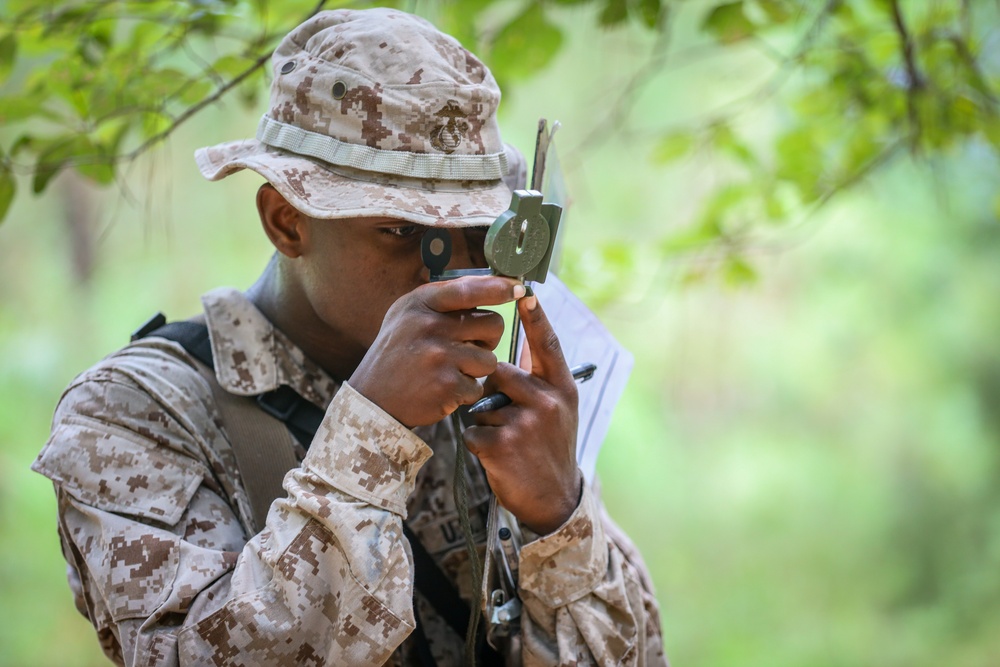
(403, 231)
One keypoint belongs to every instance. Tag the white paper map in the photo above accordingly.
(584, 339)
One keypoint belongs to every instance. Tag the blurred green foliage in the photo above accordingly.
(807, 454)
(94, 83)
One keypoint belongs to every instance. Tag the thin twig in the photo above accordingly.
(731, 109)
(915, 80)
(201, 62)
(625, 101)
(969, 59)
(191, 111)
(965, 9)
(211, 99)
(728, 245)
(747, 243)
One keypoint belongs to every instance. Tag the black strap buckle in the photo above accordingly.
(151, 325)
(280, 403)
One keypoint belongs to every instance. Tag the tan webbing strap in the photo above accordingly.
(264, 449)
(262, 445)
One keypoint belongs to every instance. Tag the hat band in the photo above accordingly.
(294, 139)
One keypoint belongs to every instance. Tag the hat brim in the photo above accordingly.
(324, 192)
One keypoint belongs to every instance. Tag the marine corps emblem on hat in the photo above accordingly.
(377, 113)
(446, 138)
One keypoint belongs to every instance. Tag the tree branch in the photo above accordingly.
(211, 99)
(626, 100)
(969, 59)
(915, 80)
(724, 112)
(191, 111)
(726, 245)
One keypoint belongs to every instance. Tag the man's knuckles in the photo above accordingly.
(550, 344)
(467, 292)
(480, 365)
(489, 443)
(490, 328)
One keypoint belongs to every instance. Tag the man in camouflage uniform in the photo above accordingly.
(379, 127)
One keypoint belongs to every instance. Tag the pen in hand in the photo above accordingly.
(581, 373)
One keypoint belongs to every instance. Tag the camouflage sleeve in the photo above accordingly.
(159, 561)
(587, 596)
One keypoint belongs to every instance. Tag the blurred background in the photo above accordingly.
(801, 252)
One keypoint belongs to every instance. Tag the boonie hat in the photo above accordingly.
(377, 113)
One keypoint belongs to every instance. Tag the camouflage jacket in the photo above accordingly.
(151, 509)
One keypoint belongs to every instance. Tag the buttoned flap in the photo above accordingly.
(114, 469)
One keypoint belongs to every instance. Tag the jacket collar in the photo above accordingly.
(253, 357)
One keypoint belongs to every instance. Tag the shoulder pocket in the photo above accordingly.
(112, 468)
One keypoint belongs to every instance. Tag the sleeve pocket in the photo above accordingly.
(117, 470)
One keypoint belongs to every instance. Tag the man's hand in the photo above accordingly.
(432, 346)
(528, 449)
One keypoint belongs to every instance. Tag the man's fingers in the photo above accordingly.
(522, 388)
(480, 440)
(524, 363)
(474, 361)
(482, 327)
(470, 292)
(547, 359)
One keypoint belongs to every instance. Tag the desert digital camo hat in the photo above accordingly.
(376, 113)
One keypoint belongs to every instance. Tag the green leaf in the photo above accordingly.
(726, 141)
(98, 163)
(231, 66)
(163, 83)
(101, 171)
(649, 12)
(800, 161)
(68, 78)
(24, 142)
(690, 238)
(8, 52)
(819, 100)
(774, 207)
(146, 34)
(458, 19)
(8, 187)
(618, 255)
(672, 147)
(777, 11)
(728, 23)
(195, 91)
(102, 32)
(723, 200)
(991, 130)
(154, 123)
(614, 13)
(23, 106)
(525, 45)
(53, 159)
(737, 272)
(207, 23)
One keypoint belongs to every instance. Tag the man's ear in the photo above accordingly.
(282, 222)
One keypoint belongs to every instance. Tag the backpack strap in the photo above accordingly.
(262, 445)
(255, 425)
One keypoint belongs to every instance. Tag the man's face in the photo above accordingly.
(354, 270)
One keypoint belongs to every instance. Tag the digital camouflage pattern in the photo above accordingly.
(388, 81)
(151, 509)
